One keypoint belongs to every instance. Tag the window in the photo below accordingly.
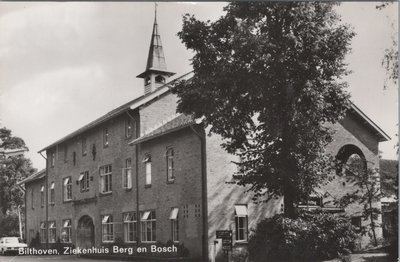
(67, 188)
(31, 235)
(147, 162)
(52, 232)
(197, 210)
(170, 165)
(43, 232)
(42, 195)
(65, 153)
(160, 79)
(51, 194)
(105, 179)
(127, 174)
(66, 231)
(356, 222)
(130, 227)
(105, 137)
(84, 181)
(32, 200)
(148, 226)
(186, 211)
(52, 159)
(241, 222)
(84, 147)
(129, 128)
(107, 228)
(74, 158)
(174, 224)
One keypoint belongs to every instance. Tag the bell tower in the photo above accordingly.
(156, 72)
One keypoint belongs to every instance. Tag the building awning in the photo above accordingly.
(42, 225)
(42, 189)
(52, 225)
(241, 210)
(66, 181)
(128, 217)
(146, 159)
(67, 223)
(105, 219)
(80, 177)
(146, 215)
(174, 213)
(52, 185)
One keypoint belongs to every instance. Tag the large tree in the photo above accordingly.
(12, 170)
(267, 78)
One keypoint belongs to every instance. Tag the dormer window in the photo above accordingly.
(147, 81)
(160, 79)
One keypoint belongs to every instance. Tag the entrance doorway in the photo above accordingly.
(85, 232)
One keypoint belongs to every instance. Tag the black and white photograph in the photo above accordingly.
(262, 131)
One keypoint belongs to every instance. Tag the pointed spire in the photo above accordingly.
(156, 60)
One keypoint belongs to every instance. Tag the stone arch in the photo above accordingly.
(350, 154)
(85, 232)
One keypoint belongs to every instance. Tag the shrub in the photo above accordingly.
(310, 237)
(35, 242)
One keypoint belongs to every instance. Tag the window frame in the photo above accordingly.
(130, 227)
(127, 174)
(84, 146)
(150, 223)
(84, 183)
(67, 189)
(110, 227)
(129, 127)
(106, 134)
(105, 176)
(244, 228)
(169, 157)
(43, 232)
(52, 193)
(147, 168)
(67, 229)
(174, 217)
(42, 200)
(52, 159)
(52, 231)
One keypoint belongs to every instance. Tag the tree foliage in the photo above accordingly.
(365, 183)
(267, 78)
(12, 170)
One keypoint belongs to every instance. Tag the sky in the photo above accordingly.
(63, 64)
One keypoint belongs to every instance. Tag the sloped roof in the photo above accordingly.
(142, 100)
(177, 123)
(133, 104)
(36, 176)
(382, 136)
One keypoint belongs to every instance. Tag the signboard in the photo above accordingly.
(226, 236)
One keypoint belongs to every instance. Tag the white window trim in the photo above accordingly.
(102, 179)
(145, 219)
(105, 222)
(127, 172)
(126, 223)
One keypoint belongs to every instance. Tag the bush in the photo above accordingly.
(310, 237)
(35, 242)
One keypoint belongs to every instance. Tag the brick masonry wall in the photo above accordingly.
(185, 190)
(36, 214)
(220, 170)
(120, 200)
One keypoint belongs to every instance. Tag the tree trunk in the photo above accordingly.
(288, 204)
(372, 224)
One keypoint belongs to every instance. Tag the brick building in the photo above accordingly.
(144, 174)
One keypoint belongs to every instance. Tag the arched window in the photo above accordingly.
(351, 161)
(160, 79)
(170, 165)
(147, 163)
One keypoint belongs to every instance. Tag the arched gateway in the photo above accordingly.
(85, 232)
